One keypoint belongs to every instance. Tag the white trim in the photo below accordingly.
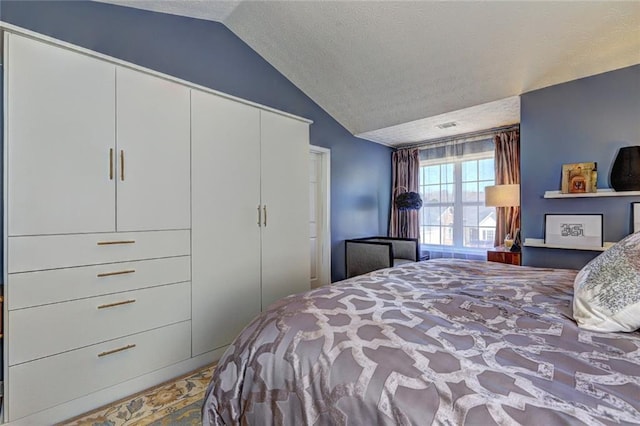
(325, 180)
(5, 224)
(59, 43)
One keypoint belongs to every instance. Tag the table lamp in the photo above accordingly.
(503, 196)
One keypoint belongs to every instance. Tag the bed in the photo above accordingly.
(447, 342)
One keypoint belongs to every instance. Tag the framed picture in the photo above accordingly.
(574, 230)
(635, 207)
(579, 177)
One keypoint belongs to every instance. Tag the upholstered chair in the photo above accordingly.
(364, 255)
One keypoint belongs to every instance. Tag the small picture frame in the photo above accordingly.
(574, 230)
(635, 211)
(579, 178)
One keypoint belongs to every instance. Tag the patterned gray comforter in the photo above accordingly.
(447, 342)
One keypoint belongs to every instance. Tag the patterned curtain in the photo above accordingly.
(405, 172)
(507, 164)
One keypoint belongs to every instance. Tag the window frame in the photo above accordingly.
(458, 203)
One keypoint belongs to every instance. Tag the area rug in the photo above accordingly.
(177, 402)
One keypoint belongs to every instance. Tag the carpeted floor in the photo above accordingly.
(173, 403)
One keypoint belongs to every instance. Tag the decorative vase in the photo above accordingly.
(625, 172)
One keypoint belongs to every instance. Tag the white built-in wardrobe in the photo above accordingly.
(147, 221)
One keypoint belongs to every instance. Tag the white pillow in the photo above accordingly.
(607, 290)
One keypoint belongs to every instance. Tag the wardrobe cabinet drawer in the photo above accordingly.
(58, 285)
(47, 382)
(34, 253)
(50, 329)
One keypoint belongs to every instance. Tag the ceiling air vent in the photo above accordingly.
(447, 125)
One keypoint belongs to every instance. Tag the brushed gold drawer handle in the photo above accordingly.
(109, 274)
(114, 351)
(109, 243)
(111, 305)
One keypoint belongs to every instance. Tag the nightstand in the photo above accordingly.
(502, 255)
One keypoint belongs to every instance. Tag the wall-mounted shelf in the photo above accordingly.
(537, 242)
(607, 192)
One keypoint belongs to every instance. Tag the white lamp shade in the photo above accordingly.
(502, 195)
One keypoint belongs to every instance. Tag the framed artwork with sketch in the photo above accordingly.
(574, 230)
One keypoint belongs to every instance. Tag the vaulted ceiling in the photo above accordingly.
(395, 71)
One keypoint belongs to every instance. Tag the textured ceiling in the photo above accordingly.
(212, 10)
(392, 71)
(467, 120)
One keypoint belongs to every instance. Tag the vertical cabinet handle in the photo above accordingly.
(265, 215)
(259, 217)
(122, 164)
(111, 164)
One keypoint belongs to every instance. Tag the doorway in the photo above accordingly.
(319, 215)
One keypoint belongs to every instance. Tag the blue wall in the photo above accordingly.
(209, 54)
(579, 121)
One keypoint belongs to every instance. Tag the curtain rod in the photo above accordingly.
(465, 136)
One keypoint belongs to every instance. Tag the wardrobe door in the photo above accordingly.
(153, 153)
(60, 135)
(285, 197)
(225, 233)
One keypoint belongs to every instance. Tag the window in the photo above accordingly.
(453, 213)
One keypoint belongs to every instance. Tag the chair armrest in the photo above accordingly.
(406, 249)
(365, 256)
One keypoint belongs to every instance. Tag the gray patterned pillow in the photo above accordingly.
(607, 290)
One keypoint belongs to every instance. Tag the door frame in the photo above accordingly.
(325, 216)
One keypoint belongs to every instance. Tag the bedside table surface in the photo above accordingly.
(502, 255)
